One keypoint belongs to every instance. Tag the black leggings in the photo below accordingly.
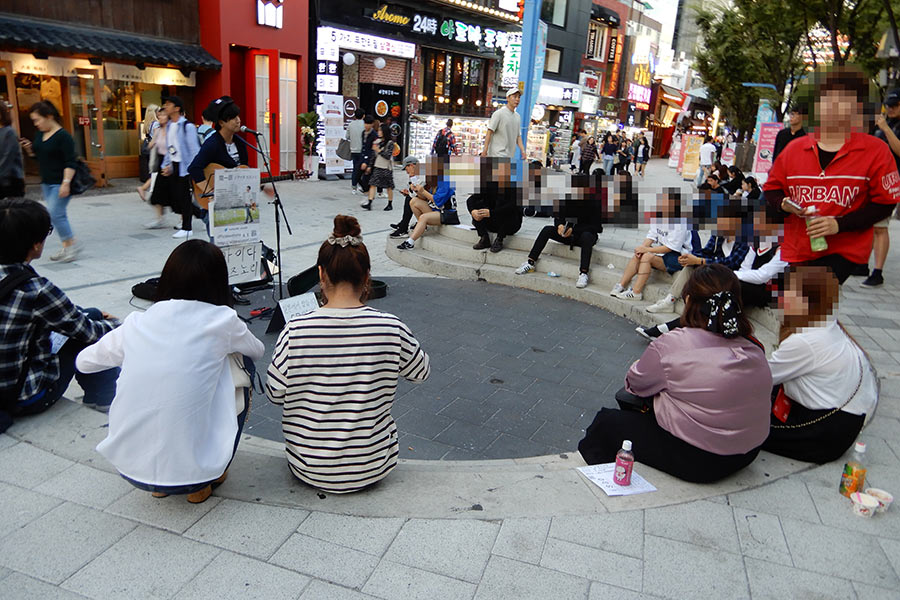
(586, 166)
(585, 240)
(403, 225)
(655, 447)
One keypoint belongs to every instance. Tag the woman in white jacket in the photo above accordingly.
(180, 405)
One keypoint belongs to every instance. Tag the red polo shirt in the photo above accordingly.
(862, 171)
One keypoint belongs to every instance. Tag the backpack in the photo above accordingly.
(10, 396)
(441, 144)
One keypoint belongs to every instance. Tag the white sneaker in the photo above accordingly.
(155, 224)
(618, 288)
(629, 294)
(526, 267)
(353, 191)
(666, 305)
(67, 254)
(382, 195)
(582, 280)
(181, 233)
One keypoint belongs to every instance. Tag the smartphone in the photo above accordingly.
(792, 204)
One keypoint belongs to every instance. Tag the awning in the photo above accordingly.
(52, 38)
(606, 15)
(671, 96)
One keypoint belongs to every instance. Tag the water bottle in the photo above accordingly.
(853, 478)
(624, 464)
(818, 244)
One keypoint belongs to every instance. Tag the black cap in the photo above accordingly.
(174, 100)
(797, 107)
(892, 98)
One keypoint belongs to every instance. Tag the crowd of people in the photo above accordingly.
(615, 153)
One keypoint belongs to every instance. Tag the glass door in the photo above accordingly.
(87, 120)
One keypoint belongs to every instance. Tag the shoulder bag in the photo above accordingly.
(82, 180)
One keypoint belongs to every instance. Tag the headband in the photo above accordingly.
(722, 312)
(344, 241)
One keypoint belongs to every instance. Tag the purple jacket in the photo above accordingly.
(710, 391)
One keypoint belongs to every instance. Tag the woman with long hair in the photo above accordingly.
(148, 128)
(703, 396)
(335, 372)
(383, 169)
(643, 156)
(820, 373)
(54, 149)
(184, 392)
(588, 155)
(158, 148)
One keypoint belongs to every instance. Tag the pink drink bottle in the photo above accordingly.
(624, 464)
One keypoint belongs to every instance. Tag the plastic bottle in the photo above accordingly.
(624, 464)
(818, 244)
(853, 478)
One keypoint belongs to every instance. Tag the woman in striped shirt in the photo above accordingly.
(335, 371)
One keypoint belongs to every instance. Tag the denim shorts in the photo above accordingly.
(671, 261)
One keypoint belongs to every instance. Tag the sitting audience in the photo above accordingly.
(735, 179)
(335, 372)
(411, 166)
(821, 374)
(495, 206)
(434, 204)
(42, 330)
(750, 189)
(705, 388)
(180, 404)
(667, 239)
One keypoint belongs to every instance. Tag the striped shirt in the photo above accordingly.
(335, 371)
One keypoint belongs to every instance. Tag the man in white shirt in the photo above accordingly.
(707, 156)
(505, 129)
(354, 135)
(183, 144)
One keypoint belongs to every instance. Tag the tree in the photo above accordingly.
(854, 29)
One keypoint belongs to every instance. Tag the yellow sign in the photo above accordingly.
(384, 16)
(691, 164)
(642, 75)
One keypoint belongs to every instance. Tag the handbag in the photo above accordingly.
(343, 149)
(783, 398)
(82, 180)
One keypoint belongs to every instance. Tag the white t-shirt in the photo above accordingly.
(675, 236)
(707, 152)
(507, 126)
(819, 368)
(173, 419)
(172, 145)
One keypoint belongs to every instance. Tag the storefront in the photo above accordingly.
(101, 86)
(552, 122)
(604, 118)
(263, 48)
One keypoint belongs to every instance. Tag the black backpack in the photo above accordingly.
(9, 396)
(441, 144)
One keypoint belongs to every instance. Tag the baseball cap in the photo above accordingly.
(512, 91)
(174, 100)
(410, 160)
(892, 98)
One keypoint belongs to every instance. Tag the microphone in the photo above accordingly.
(245, 129)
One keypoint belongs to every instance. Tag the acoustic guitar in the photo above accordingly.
(203, 191)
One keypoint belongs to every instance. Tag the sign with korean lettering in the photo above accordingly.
(640, 95)
(428, 25)
(512, 58)
(353, 40)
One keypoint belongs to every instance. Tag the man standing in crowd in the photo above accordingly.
(355, 130)
(505, 129)
(707, 156)
(790, 133)
(367, 156)
(887, 129)
(445, 142)
(182, 145)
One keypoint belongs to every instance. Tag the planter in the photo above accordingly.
(311, 164)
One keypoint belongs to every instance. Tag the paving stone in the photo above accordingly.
(832, 551)
(246, 528)
(549, 373)
(471, 371)
(559, 436)
(28, 466)
(86, 485)
(460, 454)
(508, 446)
(366, 534)
(174, 513)
(510, 400)
(514, 423)
(394, 581)
(427, 401)
(66, 538)
(591, 563)
(468, 436)
(835, 510)
(458, 549)
(132, 567)
(233, 577)
(321, 590)
(522, 539)
(412, 446)
(21, 507)
(557, 412)
(469, 411)
(509, 381)
(22, 587)
(700, 523)
(325, 560)
(870, 592)
(892, 550)
(788, 497)
(622, 533)
(422, 423)
(684, 571)
(506, 579)
(603, 591)
(761, 536)
(6, 441)
(772, 580)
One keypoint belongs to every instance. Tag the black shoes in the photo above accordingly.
(405, 246)
(389, 206)
(497, 246)
(399, 233)
(873, 280)
(367, 206)
(483, 243)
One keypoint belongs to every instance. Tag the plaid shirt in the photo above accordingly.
(451, 141)
(27, 316)
(713, 253)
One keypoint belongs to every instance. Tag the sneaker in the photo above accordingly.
(618, 288)
(155, 224)
(70, 253)
(353, 191)
(629, 294)
(666, 305)
(389, 206)
(394, 225)
(103, 408)
(399, 233)
(582, 280)
(483, 243)
(59, 254)
(366, 205)
(181, 233)
(873, 280)
(497, 246)
(648, 333)
(382, 195)
(526, 267)
(407, 245)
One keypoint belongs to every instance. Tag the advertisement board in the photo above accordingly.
(691, 162)
(762, 159)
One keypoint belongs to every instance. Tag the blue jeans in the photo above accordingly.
(57, 207)
(607, 163)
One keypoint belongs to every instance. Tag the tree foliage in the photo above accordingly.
(862, 22)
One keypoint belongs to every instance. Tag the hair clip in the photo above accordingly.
(345, 241)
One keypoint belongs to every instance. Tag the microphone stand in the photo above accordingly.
(279, 212)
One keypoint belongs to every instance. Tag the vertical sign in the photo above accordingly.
(762, 160)
(512, 56)
(691, 163)
(332, 116)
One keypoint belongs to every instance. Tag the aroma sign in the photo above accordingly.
(385, 16)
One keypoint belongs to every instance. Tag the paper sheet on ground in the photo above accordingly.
(602, 476)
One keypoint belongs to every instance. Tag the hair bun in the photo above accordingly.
(346, 225)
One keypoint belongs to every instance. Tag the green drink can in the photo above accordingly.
(817, 244)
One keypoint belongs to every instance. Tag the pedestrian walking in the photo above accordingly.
(54, 149)
(643, 156)
(182, 145)
(158, 189)
(887, 129)
(383, 168)
(504, 132)
(707, 156)
(148, 128)
(12, 172)
(575, 163)
(588, 156)
(608, 152)
(445, 141)
(790, 133)
(355, 131)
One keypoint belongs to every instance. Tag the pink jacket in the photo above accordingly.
(710, 391)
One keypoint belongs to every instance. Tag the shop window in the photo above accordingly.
(553, 12)
(287, 94)
(552, 60)
(120, 129)
(262, 91)
(453, 84)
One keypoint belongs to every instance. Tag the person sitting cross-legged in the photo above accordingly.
(411, 166)
(494, 207)
(434, 204)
